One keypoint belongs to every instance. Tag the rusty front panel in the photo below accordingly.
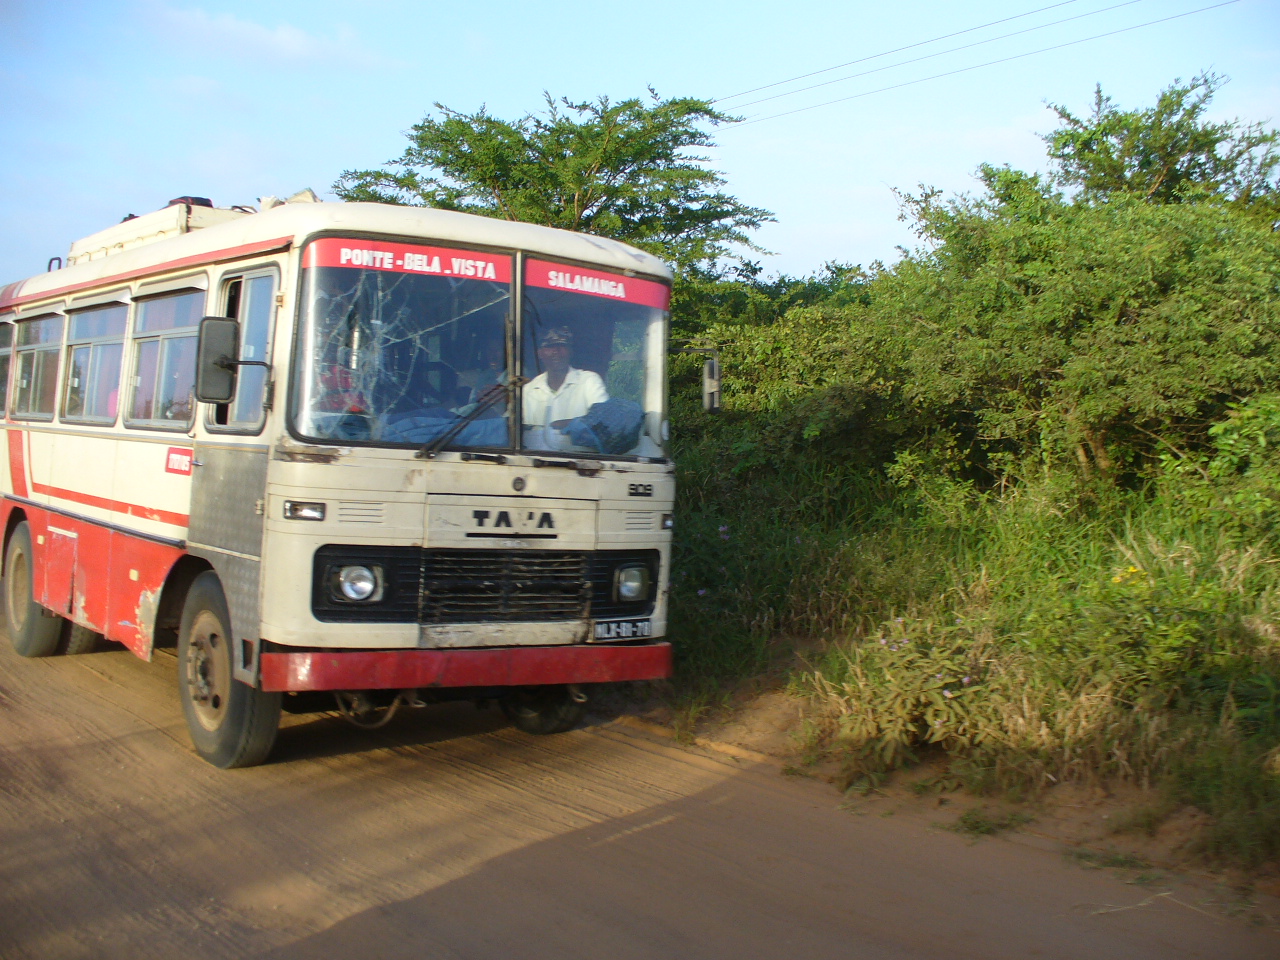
(138, 572)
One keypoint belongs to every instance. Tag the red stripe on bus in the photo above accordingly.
(11, 296)
(493, 667)
(17, 464)
(115, 506)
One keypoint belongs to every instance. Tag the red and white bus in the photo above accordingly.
(341, 456)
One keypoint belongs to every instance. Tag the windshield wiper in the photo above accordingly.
(429, 450)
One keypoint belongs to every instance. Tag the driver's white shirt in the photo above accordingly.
(543, 406)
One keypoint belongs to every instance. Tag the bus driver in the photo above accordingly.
(559, 394)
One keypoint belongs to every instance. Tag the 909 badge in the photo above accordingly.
(623, 630)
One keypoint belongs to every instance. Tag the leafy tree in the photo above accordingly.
(1028, 333)
(628, 170)
(1168, 152)
(741, 295)
(1113, 332)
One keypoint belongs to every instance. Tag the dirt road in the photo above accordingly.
(450, 835)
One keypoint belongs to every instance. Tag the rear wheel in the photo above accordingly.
(33, 630)
(77, 639)
(543, 710)
(231, 723)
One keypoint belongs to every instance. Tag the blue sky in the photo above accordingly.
(113, 108)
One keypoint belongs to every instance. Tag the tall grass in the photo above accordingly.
(1053, 631)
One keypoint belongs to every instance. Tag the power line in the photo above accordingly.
(940, 53)
(910, 46)
(978, 66)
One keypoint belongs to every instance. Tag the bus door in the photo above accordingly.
(229, 467)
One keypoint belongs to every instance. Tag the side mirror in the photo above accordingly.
(216, 359)
(711, 384)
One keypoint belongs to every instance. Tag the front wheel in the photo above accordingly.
(33, 630)
(231, 723)
(543, 710)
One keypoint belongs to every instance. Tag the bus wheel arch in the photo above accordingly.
(173, 596)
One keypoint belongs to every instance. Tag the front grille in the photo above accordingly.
(480, 586)
(468, 586)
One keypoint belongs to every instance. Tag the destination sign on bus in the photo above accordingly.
(596, 283)
(408, 258)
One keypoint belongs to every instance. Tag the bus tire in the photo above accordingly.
(78, 640)
(543, 710)
(33, 630)
(231, 723)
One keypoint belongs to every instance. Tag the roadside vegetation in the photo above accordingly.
(1011, 503)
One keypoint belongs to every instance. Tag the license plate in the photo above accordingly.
(623, 629)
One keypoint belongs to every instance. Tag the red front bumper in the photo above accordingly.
(491, 667)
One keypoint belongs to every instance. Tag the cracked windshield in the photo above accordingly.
(403, 342)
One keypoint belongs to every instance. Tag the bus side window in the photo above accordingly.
(95, 349)
(6, 352)
(39, 344)
(249, 300)
(164, 361)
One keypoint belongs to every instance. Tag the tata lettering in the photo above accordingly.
(503, 519)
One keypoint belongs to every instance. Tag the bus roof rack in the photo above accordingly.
(191, 202)
(181, 215)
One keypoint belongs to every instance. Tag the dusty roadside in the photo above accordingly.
(1119, 828)
(448, 834)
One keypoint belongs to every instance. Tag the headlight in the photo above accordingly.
(303, 510)
(358, 584)
(631, 583)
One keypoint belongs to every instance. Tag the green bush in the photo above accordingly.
(1011, 502)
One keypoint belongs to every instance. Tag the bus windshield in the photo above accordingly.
(593, 354)
(400, 342)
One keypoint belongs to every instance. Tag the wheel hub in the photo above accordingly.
(208, 671)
